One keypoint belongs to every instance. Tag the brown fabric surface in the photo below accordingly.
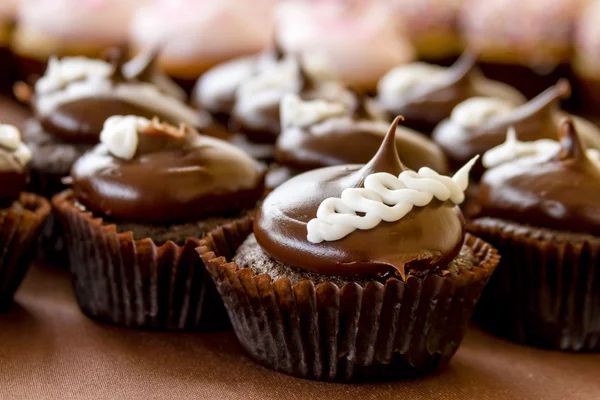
(49, 350)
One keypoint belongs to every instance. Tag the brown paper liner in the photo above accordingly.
(18, 232)
(136, 283)
(323, 332)
(544, 292)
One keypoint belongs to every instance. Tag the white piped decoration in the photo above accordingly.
(513, 149)
(403, 78)
(71, 69)
(385, 197)
(473, 112)
(282, 77)
(12, 148)
(295, 112)
(120, 134)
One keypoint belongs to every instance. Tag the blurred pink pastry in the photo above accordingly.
(431, 25)
(526, 43)
(587, 59)
(359, 40)
(8, 10)
(199, 34)
(71, 27)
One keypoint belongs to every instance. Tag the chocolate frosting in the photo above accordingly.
(176, 174)
(12, 183)
(427, 238)
(428, 103)
(557, 191)
(536, 119)
(354, 141)
(81, 121)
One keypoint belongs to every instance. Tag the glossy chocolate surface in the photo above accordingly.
(171, 178)
(427, 104)
(354, 141)
(559, 191)
(427, 238)
(536, 119)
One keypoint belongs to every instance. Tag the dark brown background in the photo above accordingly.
(49, 350)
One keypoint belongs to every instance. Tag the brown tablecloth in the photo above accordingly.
(49, 350)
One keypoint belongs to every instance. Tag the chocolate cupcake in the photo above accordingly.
(256, 109)
(479, 124)
(22, 214)
(139, 203)
(542, 213)
(377, 284)
(525, 43)
(426, 94)
(74, 98)
(318, 134)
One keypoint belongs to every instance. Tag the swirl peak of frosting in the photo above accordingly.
(559, 191)
(429, 237)
(148, 171)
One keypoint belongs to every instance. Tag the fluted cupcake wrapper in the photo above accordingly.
(323, 332)
(18, 232)
(136, 283)
(545, 291)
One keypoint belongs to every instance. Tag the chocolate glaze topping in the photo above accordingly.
(12, 183)
(430, 102)
(176, 174)
(354, 141)
(427, 238)
(559, 191)
(536, 119)
(81, 121)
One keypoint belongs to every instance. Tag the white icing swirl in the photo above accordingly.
(513, 149)
(398, 81)
(75, 78)
(475, 111)
(295, 112)
(14, 154)
(120, 134)
(385, 197)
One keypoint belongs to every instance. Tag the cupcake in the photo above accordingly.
(525, 43)
(542, 212)
(358, 40)
(137, 206)
(257, 101)
(60, 28)
(480, 123)
(586, 63)
(197, 35)
(320, 287)
(8, 10)
(318, 134)
(432, 26)
(74, 98)
(425, 94)
(22, 214)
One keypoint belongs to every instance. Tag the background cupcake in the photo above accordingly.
(359, 41)
(541, 212)
(22, 214)
(432, 26)
(425, 94)
(197, 35)
(586, 62)
(324, 289)
(525, 43)
(137, 206)
(8, 10)
(68, 28)
(318, 134)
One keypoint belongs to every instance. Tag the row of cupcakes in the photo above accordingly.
(525, 43)
(132, 233)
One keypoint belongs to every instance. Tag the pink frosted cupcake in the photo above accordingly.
(198, 35)
(360, 42)
(68, 28)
